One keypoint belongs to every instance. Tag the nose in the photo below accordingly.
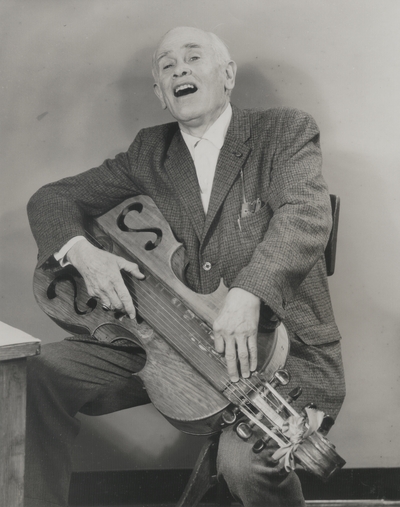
(182, 69)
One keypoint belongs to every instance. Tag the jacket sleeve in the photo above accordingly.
(56, 211)
(300, 226)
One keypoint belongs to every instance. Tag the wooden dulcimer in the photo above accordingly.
(184, 376)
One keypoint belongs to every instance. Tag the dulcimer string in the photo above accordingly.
(175, 325)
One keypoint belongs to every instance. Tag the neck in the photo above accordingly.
(198, 127)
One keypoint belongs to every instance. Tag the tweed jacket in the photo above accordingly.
(276, 253)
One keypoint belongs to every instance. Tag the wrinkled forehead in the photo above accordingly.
(181, 38)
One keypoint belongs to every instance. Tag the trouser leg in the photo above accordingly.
(66, 378)
(256, 480)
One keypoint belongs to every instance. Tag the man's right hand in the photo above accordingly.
(101, 272)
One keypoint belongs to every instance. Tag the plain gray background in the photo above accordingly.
(76, 87)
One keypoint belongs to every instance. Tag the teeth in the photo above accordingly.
(183, 87)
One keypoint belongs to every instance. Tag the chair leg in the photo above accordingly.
(203, 477)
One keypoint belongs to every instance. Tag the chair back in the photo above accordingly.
(330, 250)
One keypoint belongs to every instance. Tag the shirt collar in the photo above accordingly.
(215, 134)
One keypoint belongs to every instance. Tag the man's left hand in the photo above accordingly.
(235, 332)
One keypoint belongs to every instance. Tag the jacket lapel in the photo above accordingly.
(232, 158)
(182, 172)
(180, 169)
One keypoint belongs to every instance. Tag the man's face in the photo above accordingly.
(191, 82)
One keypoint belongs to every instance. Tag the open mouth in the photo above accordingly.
(184, 89)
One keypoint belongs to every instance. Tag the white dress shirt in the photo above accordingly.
(204, 151)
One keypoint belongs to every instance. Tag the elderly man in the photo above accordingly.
(243, 191)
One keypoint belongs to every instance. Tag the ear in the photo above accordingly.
(158, 92)
(230, 75)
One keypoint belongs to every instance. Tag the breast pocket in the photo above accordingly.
(252, 228)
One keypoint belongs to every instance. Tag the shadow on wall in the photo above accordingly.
(269, 83)
(253, 89)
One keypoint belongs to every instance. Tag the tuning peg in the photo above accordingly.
(294, 394)
(281, 378)
(244, 430)
(229, 415)
(326, 425)
(260, 444)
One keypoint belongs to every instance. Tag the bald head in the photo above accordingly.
(219, 47)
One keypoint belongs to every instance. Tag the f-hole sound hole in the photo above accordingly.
(67, 277)
(138, 207)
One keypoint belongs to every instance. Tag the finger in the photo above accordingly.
(231, 360)
(243, 355)
(219, 343)
(119, 295)
(252, 348)
(130, 267)
(126, 300)
(115, 300)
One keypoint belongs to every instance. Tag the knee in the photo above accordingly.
(230, 459)
(256, 479)
(238, 463)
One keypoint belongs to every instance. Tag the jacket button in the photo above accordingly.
(238, 154)
(207, 266)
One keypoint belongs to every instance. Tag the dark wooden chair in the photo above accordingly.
(330, 250)
(204, 475)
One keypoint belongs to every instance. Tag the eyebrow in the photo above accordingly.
(190, 45)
